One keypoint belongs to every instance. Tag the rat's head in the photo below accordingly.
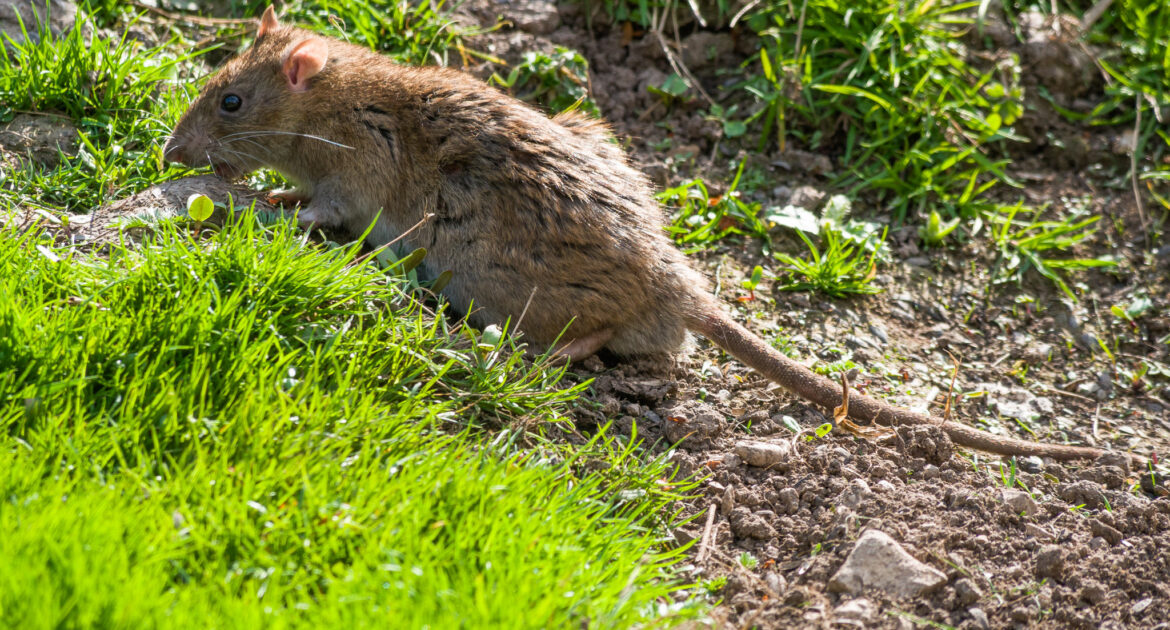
(244, 113)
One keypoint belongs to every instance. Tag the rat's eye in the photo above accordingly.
(231, 103)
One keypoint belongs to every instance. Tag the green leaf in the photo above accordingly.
(199, 207)
(734, 128)
(675, 85)
(794, 217)
(441, 282)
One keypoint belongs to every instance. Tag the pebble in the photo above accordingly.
(1020, 502)
(1111, 534)
(1050, 562)
(860, 609)
(878, 562)
(967, 592)
(1142, 605)
(763, 454)
(979, 617)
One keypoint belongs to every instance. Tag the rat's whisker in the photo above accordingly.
(249, 141)
(241, 154)
(256, 134)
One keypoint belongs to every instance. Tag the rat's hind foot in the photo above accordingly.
(582, 347)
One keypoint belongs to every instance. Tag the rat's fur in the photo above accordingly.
(523, 206)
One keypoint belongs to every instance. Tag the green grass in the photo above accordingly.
(249, 430)
(557, 82)
(111, 90)
(923, 121)
(842, 268)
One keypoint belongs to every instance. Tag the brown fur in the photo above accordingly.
(521, 203)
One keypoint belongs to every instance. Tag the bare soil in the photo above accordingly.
(1090, 550)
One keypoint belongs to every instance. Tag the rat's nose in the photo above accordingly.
(173, 151)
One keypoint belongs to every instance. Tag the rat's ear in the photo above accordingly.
(302, 60)
(268, 22)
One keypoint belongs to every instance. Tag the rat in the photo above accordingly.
(542, 221)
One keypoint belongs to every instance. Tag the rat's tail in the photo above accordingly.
(728, 334)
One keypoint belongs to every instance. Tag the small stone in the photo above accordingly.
(1114, 458)
(980, 618)
(1037, 353)
(1093, 592)
(1050, 562)
(1033, 464)
(807, 197)
(1110, 534)
(746, 524)
(39, 138)
(776, 583)
(1020, 502)
(1142, 605)
(693, 420)
(684, 536)
(877, 561)
(860, 609)
(789, 500)
(1150, 482)
(727, 501)
(1035, 531)
(1082, 492)
(930, 471)
(705, 48)
(880, 333)
(1096, 543)
(763, 454)
(534, 16)
(967, 592)
(855, 495)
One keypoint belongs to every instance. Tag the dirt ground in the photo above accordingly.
(1066, 546)
(1082, 547)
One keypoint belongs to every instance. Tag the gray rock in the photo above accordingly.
(1113, 458)
(1016, 402)
(807, 197)
(1111, 534)
(980, 618)
(1020, 502)
(879, 562)
(538, 17)
(763, 454)
(1050, 563)
(967, 592)
(746, 524)
(776, 583)
(859, 610)
(1093, 592)
(693, 420)
(705, 48)
(789, 500)
(1033, 464)
(1082, 492)
(1037, 353)
(39, 138)
(855, 495)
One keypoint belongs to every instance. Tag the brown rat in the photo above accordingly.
(522, 205)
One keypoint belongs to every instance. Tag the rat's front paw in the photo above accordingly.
(288, 198)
